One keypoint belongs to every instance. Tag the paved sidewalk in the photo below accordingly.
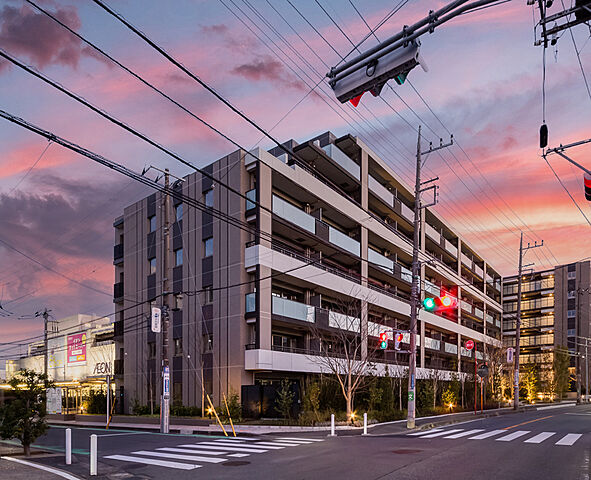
(15, 466)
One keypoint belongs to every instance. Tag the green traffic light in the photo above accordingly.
(429, 304)
(383, 345)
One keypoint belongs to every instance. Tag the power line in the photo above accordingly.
(30, 169)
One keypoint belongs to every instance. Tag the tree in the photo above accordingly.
(24, 417)
(342, 349)
(449, 397)
(312, 399)
(560, 373)
(284, 398)
(531, 382)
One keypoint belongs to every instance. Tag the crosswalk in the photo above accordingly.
(504, 435)
(190, 456)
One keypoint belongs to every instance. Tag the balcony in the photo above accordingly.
(250, 302)
(466, 306)
(405, 274)
(451, 348)
(478, 313)
(380, 260)
(380, 191)
(450, 248)
(344, 241)
(293, 214)
(344, 322)
(118, 254)
(291, 309)
(432, 233)
(343, 160)
(432, 343)
(432, 289)
(251, 197)
(118, 292)
(467, 261)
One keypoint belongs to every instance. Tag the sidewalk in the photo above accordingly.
(15, 466)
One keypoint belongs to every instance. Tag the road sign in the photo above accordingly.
(156, 320)
(483, 370)
(469, 344)
(411, 396)
(166, 382)
(510, 352)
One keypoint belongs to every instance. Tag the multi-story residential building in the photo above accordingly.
(333, 226)
(554, 313)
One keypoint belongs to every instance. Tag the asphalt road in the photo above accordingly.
(543, 444)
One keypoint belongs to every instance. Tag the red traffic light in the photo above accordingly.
(399, 337)
(383, 336)
(446, 301)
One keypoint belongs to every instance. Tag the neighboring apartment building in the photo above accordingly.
(340, 231)
(554, 312)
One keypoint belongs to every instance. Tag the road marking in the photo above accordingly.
(440, 434)
(226, 448)
(530, 421)
(151, 461)
(184, 450)
(242, 445)
(278, 443)
(290, 442)
(424, 433)
(41, 467)
(513, 436)
(486, 435)
(174, 456)
(569, 439)
(465, 434)
(304, 439)
(118, 434)
(229, 440)
(239, 455)
(540, 437)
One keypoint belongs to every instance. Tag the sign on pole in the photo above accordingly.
(166, 382)
(469, 344)
(510, 352)
(54, 400)
(156, 320)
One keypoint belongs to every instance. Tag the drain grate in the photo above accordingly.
(405, 451)
(235, 463)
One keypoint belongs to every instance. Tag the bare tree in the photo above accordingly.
(495, 358)
(342, 352)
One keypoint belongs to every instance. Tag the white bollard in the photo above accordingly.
(68, 446)
(365, 423)
(332, 432)
(93, 454)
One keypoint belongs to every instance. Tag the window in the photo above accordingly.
(178, 212)
(152, 223)
(152, 265)
(208, 342)
(178, 302)
(178, 257)
(151, 349)
(208, 294)
(571, 314)
(209, 198)
(178, 347)
(571, 294)
(208, 247)
(571, 332)
(572, 275)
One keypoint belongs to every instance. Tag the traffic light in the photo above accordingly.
(372, 77)
(543, 136)
(429, 304)
(587, 181)
(397, 341)
(383, 340)
(444, 302)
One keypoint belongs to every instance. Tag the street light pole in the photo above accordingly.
(165, 401)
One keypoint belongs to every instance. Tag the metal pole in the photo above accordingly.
(365, 423)
(586, 370)
(475, 378)
(93, 452)
(108, 399)
(68, 446)
(414, 296)
(165, 400)
(518, 328)
(332, 434)
(45, 354)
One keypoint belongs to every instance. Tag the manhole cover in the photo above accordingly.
(235, 463)
(405, 451)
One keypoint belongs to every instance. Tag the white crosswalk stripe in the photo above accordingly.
(242, 445)
(540, 437)
(226, 448)
(191, 451)
(513, 436)
(151, 461)
(301, 439)
(176, 456)
(484, 435)
(440, 434)
(425, 432)
(278, 444)
(569, 439)
(464, 434)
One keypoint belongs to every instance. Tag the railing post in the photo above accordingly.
(365, 423)
(68, 446)
(93, 453)
(332, 429)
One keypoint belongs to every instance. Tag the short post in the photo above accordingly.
(332, 433)
(365, 423)
(68, 446)
(93, 455)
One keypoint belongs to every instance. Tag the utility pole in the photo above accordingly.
(415, 295)
(165, 400)
(45, 315)
(522, 252)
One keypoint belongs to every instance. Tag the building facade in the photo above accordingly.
(554, 313)
(332, 227)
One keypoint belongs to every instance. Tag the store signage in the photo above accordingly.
(77, 349)
(102, 368)
(156, 320)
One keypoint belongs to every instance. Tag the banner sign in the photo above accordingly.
(54, 400)
(156, 320)
(77, 349)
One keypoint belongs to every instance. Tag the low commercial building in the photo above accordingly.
(332, 227)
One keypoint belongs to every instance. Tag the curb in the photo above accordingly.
(55, 471)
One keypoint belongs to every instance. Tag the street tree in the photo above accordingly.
(560, 373)
(342, 349)
(284, 398)
(23, 417)
(531, 382)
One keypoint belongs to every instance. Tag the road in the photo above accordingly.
(544, 444)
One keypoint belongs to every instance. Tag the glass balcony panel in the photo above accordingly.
(291, 309)
(344, 322)
(489, 318)
(380, 260)
(478, 313)
(466, 353)
(478, 271)
(479, 355)
(251, 302)
(381, 191)
(467, 307)
(293, 214)
(344, 241)
(406, 274)
(343, 160)
(407, 212)
(432, 233)
(432, 289)
(374, 329)
(432, 343)
(451, 248)
(251, 196)
(451, 348)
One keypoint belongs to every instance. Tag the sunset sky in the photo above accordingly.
(484, 84)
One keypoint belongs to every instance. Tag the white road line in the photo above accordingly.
(569, 439)
(239, 455)
(540, 437)
(190, 450)
(175, 456)
(425, 432)
(151, 461)
(281, 444)
(513, 436)
(226, 448)
(440, 434)
(487, 434)
(299, 442)
(304, 439)
(41, 467)
(247, 446)
(465, 434)
(229, 440)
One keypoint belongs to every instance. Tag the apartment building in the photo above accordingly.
(333, 226)
(555, 312)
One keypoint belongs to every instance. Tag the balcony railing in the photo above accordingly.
(451, 248)
(478, 313)
(344, 322)
(290, 212)
(432, 233)
(407, 212)
(343, 160)
(451, 348)
(380, 260)
(250, 302)
(251, 197)
(291, 309)
(118, 290)
(344, 241)
(432, 289)
(118, 252)
(432, 343)
(380, 191)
